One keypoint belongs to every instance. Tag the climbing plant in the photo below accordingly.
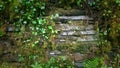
(108, 19)
(110, 30)
(35, 31)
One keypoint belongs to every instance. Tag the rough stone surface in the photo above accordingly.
(79, 65)
(78, 57)
(75, 17)
(80, 30)
(77, 31)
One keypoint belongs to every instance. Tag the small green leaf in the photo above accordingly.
(56, 15)
(53, 31)
(33, 45)
(35, 33)
(34, 9)
(56, 31)
(25, 22)
(93, 3)
(34, 22)
(36, 42)
(109, 11)
(42, 7)
(43, 31)
(29, 17)
(106, 3)
(37, 28)
(46, 37)
(1, 33)
(32, 28)
(39, 21)
(78, 2)
(50, 27)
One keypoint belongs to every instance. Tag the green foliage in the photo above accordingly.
(28, 15)
(54, 63)
(36, 31)
(1, 33)
(95, 63)
(92, 63)
(109, 33)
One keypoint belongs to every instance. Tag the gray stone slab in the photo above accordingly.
(75, 17)
(79, 65)
(77, 39)
(88, 38)
(65, 27)
(87, 32)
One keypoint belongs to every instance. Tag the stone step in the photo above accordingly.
(67, 12)
(80, 40)
(60, 21)
(65, 27)
(88, 38)
(79, 33)
(77, 38)
(80, 43)
(74, 18)
(79, 65)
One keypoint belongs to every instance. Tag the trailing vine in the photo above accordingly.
(35, 32)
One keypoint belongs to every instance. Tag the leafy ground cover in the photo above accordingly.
(27, 34)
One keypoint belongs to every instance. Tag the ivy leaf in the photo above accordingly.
(29, 17)
(53, 31)
(56, 15)
(34, 22)
(39, 21)
(46, 37)
(43, 31)
(1, 33)
(36, 42)
(33, 45)
(42, 7)
(78, 2)
(50, 27)
(25, 22)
